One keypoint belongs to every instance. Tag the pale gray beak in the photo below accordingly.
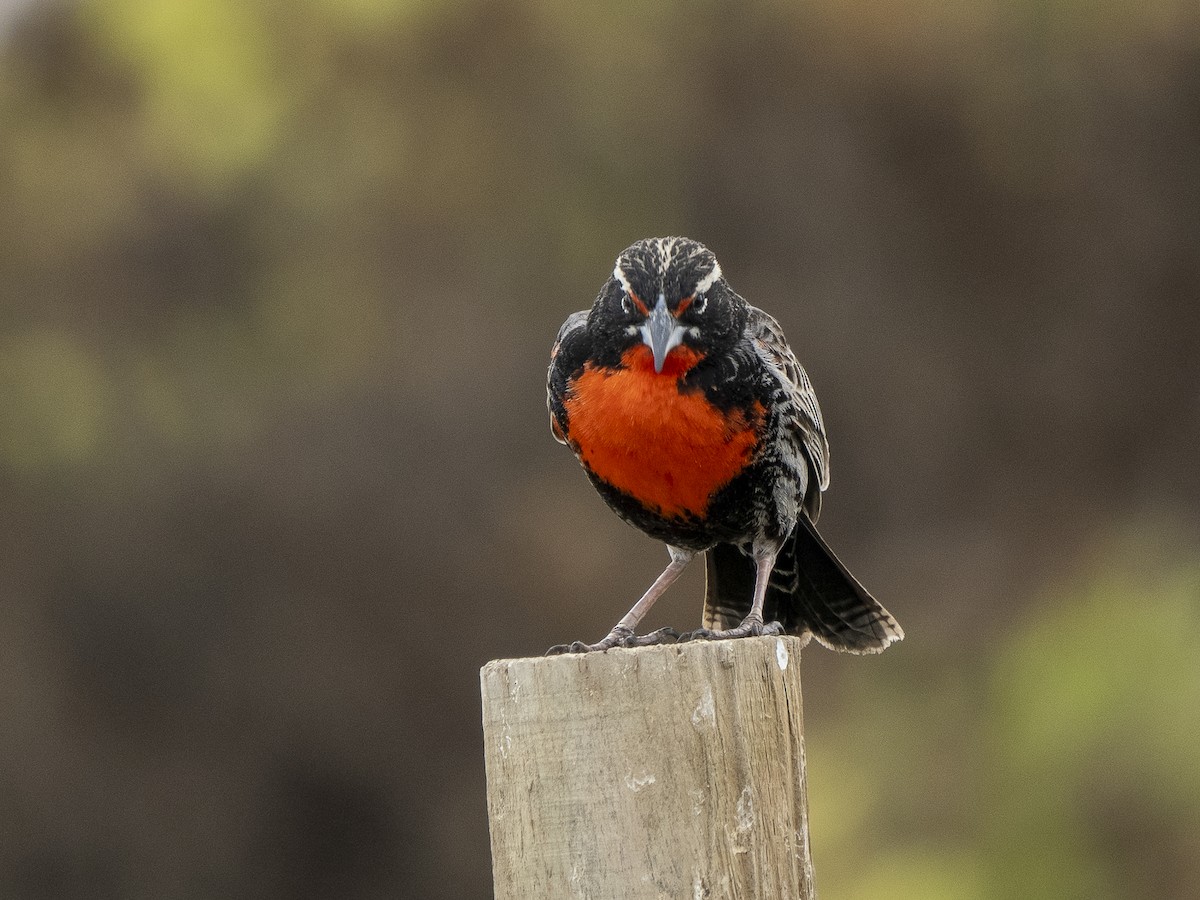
(662, 333)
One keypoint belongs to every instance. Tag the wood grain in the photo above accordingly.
(658, 772)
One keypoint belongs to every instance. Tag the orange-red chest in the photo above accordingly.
(669, 448)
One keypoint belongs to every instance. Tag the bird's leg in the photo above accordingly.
(622, 634)
(752, 625)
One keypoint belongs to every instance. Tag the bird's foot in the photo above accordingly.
(618, 637)
(752, 626)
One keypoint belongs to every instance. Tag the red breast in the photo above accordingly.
(670, 449)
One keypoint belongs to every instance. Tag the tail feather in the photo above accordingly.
(810, 592)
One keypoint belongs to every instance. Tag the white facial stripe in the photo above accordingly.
(710, 279)
(668, 249)
(676, 338)
(620, 276)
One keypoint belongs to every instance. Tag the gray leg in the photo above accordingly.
(752, 625)
(622, 634)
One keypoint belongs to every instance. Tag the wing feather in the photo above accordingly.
(804, 417)
(560, 370)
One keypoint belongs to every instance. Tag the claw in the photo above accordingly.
(750, 627)
(618, 637)
(573, 647)
(666, 635)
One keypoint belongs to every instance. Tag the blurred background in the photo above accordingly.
(278, 283)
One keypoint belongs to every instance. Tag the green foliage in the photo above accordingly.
(277, 285)
(1082, 744)
(57, 400)
(210, 94)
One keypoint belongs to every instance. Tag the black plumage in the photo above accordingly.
(696, 424)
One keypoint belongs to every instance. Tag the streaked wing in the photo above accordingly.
(805, 415)
(556, 377)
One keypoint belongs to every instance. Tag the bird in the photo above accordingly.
(696, 424)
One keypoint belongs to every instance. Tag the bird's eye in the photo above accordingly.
(699, 304)
(627, 305)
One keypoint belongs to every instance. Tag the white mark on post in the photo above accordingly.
(739, 833)
(505, 743)
(514, 688)
(799, 849)
(745, 810)
(781, 654)
(705, 713)
(637, 783)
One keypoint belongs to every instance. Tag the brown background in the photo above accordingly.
(278, 283)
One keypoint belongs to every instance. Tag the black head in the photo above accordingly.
(665, 293)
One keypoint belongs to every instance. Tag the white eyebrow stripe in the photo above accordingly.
(710, 279)
(620, 276)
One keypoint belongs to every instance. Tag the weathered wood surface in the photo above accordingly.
(657, 772)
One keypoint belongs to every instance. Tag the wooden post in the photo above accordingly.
(658, 772)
